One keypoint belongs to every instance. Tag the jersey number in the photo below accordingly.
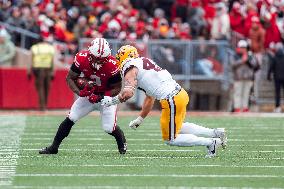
(97, 80)
(148, 65)
(83, 54)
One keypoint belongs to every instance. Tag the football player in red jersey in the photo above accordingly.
(96, 64)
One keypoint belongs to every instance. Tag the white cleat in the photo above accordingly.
(212, 149)
(221, 133)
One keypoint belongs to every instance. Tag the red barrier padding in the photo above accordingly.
(17, 92)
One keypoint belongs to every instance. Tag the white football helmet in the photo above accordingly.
(99, 48)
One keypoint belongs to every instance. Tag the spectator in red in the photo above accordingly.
(105, 19)
(209, 11)
(280, 19)
(158, 15)
(272, 33)
(185, 31)
(256, 36)
(176, 26)
(251, 12)
(237, 19)
(59, 31)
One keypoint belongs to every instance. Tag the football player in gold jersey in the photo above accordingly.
(157, 83)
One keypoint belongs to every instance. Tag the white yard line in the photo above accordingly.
(150, 139)
(150, 144)
(153, 150)
(11, 129)
(97, 128)
(155, 157)
(129, 187)
(147, 175)
(190, 157)
(160, 165)
(32, 134)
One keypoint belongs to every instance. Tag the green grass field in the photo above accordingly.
(88, 158)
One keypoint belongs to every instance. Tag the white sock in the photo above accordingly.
(190, 140)
(191, 128)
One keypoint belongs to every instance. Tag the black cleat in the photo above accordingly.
(48, 150)
(120, 140)
(123, 149)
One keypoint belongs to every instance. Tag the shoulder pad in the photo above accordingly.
(81, 58)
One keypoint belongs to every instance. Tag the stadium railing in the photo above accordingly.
(23, 33)
(201, 67)
(190, 62)
(185, 60)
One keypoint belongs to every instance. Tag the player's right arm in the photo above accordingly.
(71, 81)
(74, 73)
(147, 106)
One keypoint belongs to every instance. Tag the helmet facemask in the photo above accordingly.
(99, 50)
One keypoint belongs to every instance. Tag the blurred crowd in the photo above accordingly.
(261, 21)
(258, 22)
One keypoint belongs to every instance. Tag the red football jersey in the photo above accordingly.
(101, 74)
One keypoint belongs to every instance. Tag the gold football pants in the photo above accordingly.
(173, 114)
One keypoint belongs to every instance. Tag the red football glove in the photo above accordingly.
(86, 91)
(95, 98)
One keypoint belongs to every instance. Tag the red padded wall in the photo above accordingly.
(17, 92)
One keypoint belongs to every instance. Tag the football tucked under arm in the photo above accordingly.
(82, 82)
(87, 87)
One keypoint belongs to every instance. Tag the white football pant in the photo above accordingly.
(190, 135)
(82, 107)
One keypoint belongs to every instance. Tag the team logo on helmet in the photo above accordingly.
(125, 52)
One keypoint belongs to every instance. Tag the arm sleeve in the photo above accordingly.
(115, 78)
(75, 69)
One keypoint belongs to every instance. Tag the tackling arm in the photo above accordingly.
(70, 79)
(147, 106)
(130, 84)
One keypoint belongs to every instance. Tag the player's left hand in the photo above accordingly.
(95, 98)
(136, 122)
(109, 101)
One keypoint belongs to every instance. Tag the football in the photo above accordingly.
(81, 82)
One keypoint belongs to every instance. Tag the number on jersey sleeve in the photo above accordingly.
(148, 65)
(83, 54)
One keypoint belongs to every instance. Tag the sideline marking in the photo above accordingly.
(11, 129)
(148, 175)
